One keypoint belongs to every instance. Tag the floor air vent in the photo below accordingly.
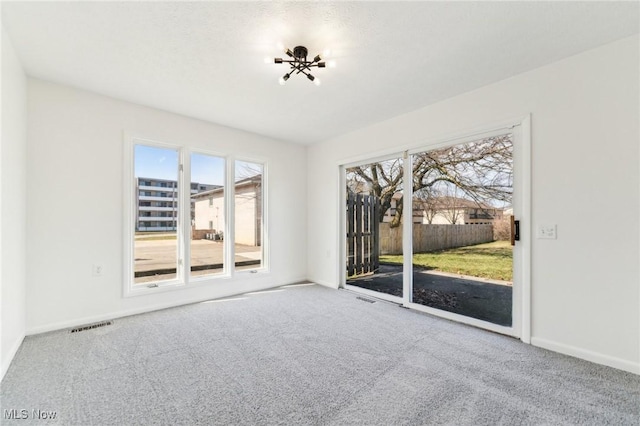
(91, 326)
(365, 299)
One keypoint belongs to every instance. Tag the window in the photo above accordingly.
(208, 221)
(156, 245)
(207, 245)
(248, 215)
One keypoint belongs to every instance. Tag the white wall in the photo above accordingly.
(13, 205)
(75, 202)
(585, 139)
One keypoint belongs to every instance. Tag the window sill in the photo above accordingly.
(163, 287)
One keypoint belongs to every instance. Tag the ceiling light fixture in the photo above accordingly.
(299, 64)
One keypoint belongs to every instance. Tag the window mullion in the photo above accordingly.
(407, 228)
(230, 225)
(184, 197)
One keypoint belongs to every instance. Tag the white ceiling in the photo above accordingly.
(206, 59)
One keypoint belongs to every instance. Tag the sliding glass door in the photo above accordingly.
(462, 255)
(373, 209)
(434, 229)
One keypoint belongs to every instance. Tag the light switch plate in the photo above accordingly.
(97, 270)
(547, 232)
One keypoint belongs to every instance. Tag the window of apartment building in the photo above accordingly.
(211, 224)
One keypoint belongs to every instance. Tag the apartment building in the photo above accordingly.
(157, 203)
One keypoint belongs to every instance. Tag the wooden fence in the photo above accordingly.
(363, 243)
(434, 237)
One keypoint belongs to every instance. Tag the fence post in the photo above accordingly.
(375, 214)
(363, 234)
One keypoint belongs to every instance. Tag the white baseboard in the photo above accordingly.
(61, 325)
(324, 283)
(595, 357)
(6, 362)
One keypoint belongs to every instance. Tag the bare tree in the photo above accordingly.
(381, 179)
(481, 171)
(450, 205)
(428, 200)
(249, 172)
(246, 170)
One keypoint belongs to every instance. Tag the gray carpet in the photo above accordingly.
(306, 355)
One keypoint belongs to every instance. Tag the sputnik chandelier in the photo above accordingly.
(300, 64)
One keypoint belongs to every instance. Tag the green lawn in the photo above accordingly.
(491, 260)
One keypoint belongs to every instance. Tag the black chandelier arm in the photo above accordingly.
(299, 67)
(299, 64)
(304, 72)
(305, 66)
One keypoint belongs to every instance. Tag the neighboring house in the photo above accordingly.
(447, 211)
(459, 211)
(209, 214)
(157, 203)
(391, 212)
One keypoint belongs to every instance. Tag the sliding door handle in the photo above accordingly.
(515, 231)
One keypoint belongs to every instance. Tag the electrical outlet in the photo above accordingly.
(547, 232)
(97, 270)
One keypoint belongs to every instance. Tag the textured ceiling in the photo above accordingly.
(206, 59)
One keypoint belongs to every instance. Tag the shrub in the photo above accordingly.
(502, 229)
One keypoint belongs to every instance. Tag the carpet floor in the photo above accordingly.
(305, 355)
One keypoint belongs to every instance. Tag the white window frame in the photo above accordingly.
(183, 278)
(264, 266)
(129, 287)
(226, 269)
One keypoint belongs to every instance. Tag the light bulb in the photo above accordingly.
(280, 46)
(317, 81)
(331, 64)
(326, 53)
(281, 81)
(268, 60)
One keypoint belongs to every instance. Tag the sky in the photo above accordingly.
(162, 163)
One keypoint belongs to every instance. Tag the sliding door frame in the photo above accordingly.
(343, 225)
(521, 300)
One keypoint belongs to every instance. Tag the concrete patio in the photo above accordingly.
(485, 300)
